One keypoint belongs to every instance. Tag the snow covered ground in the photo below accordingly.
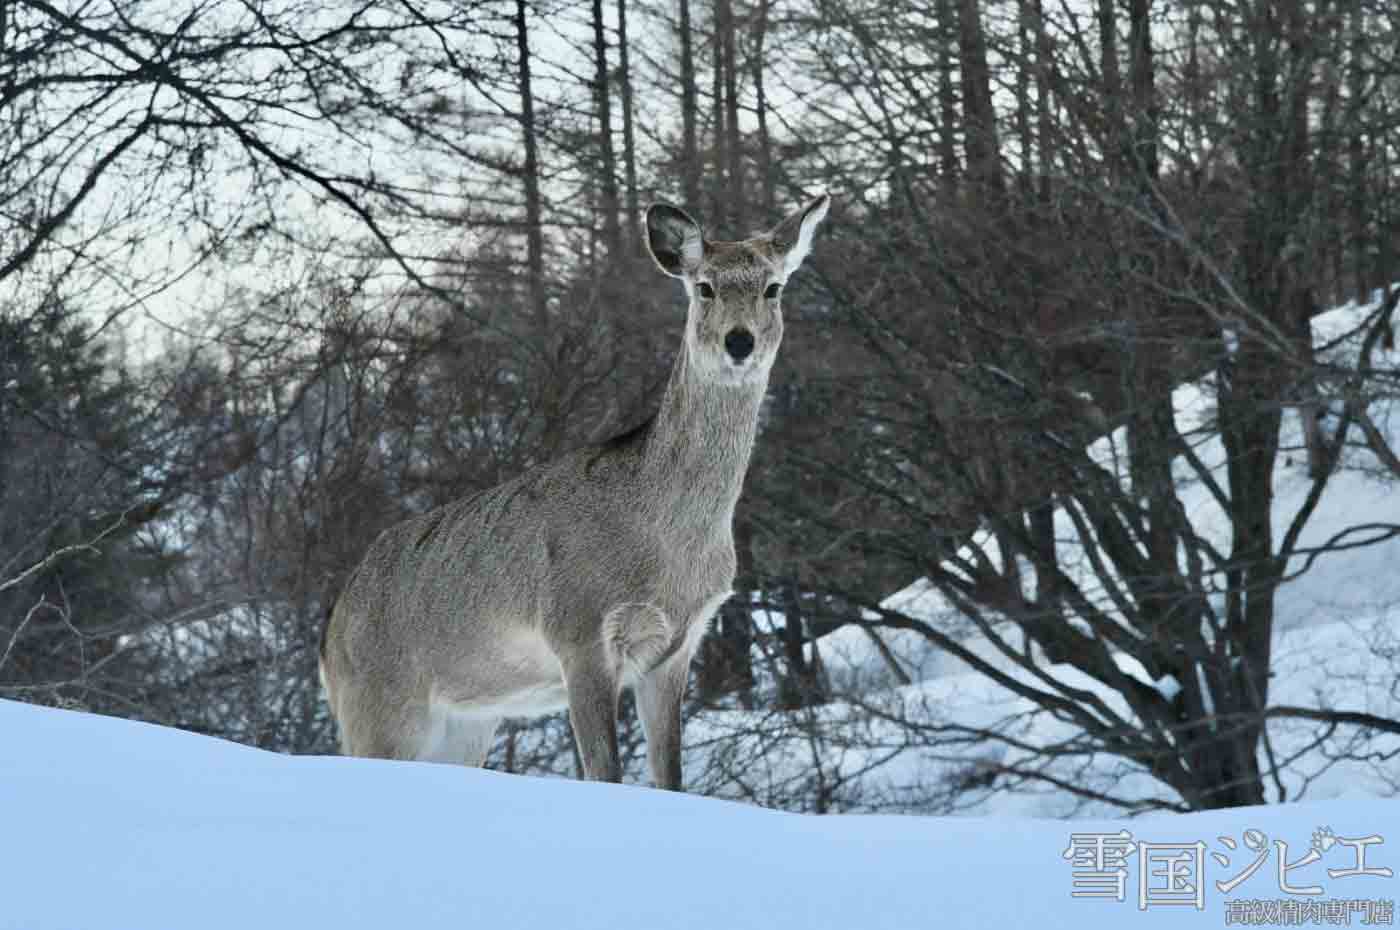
(112, 825)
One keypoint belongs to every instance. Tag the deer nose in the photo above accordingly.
(738, 343)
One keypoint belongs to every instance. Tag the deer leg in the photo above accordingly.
(659, 696)
(592, 685)
(383, 730)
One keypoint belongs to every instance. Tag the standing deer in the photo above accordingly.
(585, 575)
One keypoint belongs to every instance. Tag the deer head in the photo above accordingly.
(735, 320)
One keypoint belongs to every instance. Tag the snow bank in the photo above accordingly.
(115, 825)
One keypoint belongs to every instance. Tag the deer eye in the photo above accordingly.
(772, 292)
(706, 292)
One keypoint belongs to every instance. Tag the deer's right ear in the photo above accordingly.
(674, 239)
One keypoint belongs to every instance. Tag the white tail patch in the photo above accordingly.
(638, 634)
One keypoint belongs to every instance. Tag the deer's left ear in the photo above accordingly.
(792, 238)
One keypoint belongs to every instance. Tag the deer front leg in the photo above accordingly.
(592, 685)
(659, 696)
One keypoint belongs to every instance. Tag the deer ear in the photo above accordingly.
(792, 238)
(674, 239)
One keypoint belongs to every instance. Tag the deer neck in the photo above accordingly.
(699, 447)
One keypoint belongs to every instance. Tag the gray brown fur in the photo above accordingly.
(591, 573)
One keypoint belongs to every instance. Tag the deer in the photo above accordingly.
(585, 575)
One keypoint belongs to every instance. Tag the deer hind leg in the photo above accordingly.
(659, 696)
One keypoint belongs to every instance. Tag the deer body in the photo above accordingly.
(597, 571)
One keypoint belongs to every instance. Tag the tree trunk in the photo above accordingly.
(1143, 75)
(1255, 384)
(718, 186)
(766, 181)
(802, 684)
(980, 145)
(690, 147)
(534, 223)
(629, 139)
(1026, 49)
(947, 96)
(1110, 76)
(733, 147)
(1250, 421)
(1151, 427)
(1356, 153)
(1195, 91)
(1044, 126)
(602, 101)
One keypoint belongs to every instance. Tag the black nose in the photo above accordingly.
(738, 343)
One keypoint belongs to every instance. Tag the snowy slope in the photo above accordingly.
(113, 825)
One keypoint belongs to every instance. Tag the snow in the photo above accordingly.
(116, 825)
